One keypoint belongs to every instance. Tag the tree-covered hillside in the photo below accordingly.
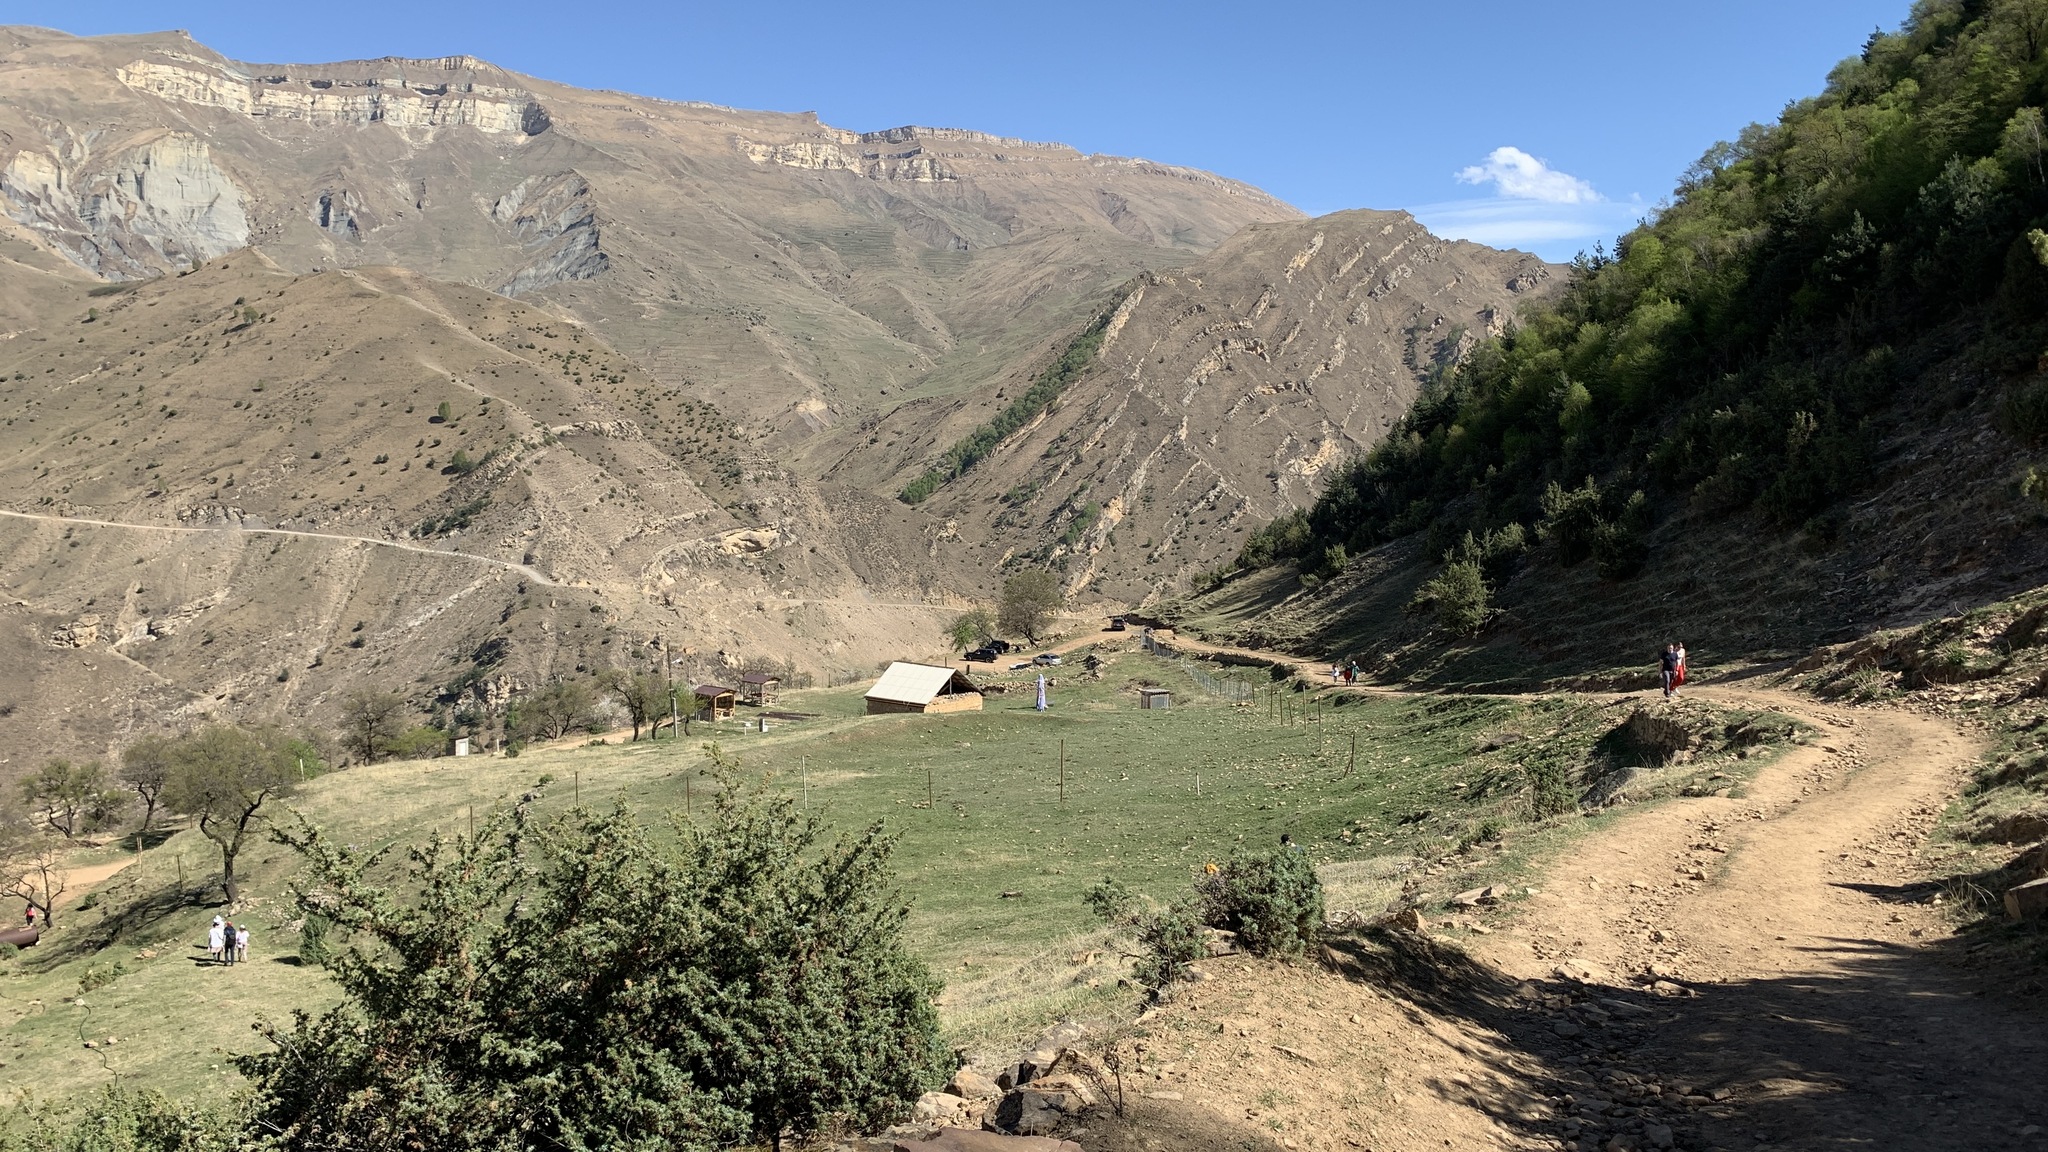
(1748, 350)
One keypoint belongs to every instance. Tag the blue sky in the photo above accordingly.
(1541, 126)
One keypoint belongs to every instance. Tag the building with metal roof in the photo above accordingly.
(907, 687)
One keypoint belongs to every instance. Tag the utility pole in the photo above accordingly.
(807, 781)
(1063, 770)
(1353, 766)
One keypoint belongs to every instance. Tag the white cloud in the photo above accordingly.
(1552, 230)
(1516, 175)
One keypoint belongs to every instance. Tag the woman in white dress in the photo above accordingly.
(216, 940)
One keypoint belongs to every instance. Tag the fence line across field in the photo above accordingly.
(1222, 687)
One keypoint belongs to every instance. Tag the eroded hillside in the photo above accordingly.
(1218, 397)
(243, 492)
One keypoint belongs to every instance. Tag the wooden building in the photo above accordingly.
(907, 687)
(760, 687)
(1155, 699)
(714, 702)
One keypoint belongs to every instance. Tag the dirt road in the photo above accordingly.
(1830, 1007)
(526, 570)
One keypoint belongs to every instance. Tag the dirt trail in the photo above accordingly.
(1829, 1004)
(526, 570)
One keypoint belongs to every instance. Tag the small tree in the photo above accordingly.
(972, 628)
(643, 695)
(370, 720)
(31, 869)
(588, 984)
(145, 767)
(1030, 601)
(224, 776)
(556, 709)
(72, 799)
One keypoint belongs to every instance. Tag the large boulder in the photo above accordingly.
(971, 1085)
(1041, 1108)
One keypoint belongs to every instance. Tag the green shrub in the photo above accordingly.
(1551, 791)
(1457, 597)
(1619, 550)
(1272, 900)
(98, 976)
(590, 982)
(2023, 412)
(124, 1120)
(1283, 539)
(314, 949)
(1571, 520)
(1169, 938)
(420, 743)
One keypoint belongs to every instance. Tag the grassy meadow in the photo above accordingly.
(992, 858)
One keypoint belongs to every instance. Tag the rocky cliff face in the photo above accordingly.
(134, 211)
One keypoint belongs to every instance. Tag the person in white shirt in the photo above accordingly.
(242, 945)
(216, 941)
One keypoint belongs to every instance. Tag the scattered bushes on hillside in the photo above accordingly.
(1748, 349)
(590, 983)
(976, 445)
(1272, 901)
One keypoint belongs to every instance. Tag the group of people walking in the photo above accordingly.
(1672, 672)
(226, 943)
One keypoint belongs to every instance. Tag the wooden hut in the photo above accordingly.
(907, 687)
(1155, 699)
(714, 702)
(760, 687)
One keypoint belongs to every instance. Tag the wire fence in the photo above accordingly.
(1222, 687)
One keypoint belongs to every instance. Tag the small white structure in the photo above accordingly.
(462, 745)
(1154, 699)
(907, 687)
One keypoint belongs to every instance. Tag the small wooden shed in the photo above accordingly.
(714, 702)
(907, 687)
(760, 687)
(1155, 699)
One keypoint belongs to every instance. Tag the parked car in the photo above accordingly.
(1047, 659)
(982, 656)
(999, 646)
(1116, 624)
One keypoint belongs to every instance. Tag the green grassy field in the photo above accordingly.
(992, 857)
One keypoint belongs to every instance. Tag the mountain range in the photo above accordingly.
(426, 374)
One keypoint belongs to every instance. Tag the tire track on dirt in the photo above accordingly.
(1828, 1007)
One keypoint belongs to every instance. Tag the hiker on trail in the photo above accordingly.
(1352, 673)
(1670, 662)
(228, 943)
(1678, 680)
(31, 915)
(216, 940)
(242, 944)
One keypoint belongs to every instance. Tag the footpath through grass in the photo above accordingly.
(993, 855)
